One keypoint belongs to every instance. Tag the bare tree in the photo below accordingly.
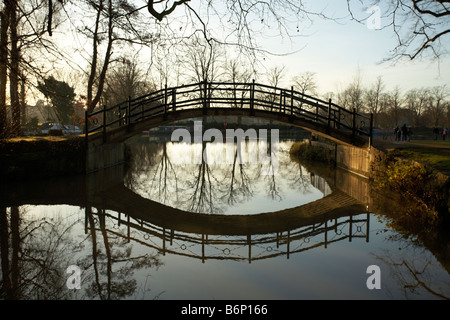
(274, 77)
(305, 83)
(372, 98)
(352, 97)
(416, 101)
(394, 104)
(421, 27)
(437, 105)
(236, 72)
(240, 22)
(125, 79)
(23, 29)
(203, 60)
(115, 22)
(4, 14)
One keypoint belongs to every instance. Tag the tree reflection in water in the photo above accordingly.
(33, 266)
(215, 188)
(37, 250)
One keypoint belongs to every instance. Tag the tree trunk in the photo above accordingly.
(23, 102)
(95, 40)
(3, 70)
(93, 100)
(14, 71)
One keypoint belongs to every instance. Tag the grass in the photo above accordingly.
(308, 152)
(437, 143)
(29, 144)
(432, 153)
(38, 138)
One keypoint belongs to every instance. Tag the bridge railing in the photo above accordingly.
(251, 247)
(252, 96)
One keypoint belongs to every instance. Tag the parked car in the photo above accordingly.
(58, 129)
(71, 129)
(43, 128)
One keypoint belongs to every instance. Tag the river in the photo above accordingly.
(165, 228)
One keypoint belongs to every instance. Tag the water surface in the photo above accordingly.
(162, 230)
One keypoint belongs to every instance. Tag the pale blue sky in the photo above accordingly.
(335, 51)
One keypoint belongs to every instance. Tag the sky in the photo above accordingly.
(337, 51)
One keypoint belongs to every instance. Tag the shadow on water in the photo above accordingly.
(105, 216)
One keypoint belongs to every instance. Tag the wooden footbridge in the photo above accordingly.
(117, 123)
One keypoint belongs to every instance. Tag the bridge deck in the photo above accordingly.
(118, 122)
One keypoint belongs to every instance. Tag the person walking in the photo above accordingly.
(396, 133)
(444, 133)
(409, 133)
(435, 132)
(404, 132)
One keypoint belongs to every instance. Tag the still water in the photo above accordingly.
(167, 229)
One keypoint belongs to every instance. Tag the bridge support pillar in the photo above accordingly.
(354, 159)
(104, 156)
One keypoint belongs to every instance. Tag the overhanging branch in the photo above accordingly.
(161, 15)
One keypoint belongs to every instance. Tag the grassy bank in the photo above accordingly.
(435, 157)
(41, 157)
(413, 172)
(305, 151)
(418, 182)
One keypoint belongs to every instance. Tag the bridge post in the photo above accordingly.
(281, 100)
(165, 102)
(292, 100)
(353, 122)
(104, 124)
(329, 115)
(205, 84)
(252, 98)
(339, 118)
(129, 112)
(86, 127)
(317, 111)
(174, 99)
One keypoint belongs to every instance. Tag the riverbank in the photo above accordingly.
(435, 153)
(28, 158)
(413, 171)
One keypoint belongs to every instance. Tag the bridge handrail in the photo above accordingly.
(248, 95)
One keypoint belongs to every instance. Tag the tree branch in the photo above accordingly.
(161, 15)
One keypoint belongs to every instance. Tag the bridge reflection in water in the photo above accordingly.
(333, 218)
(249, 248)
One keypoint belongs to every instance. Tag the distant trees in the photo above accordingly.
(417, 106)
(417, 101)
(203, 60)
(352, 96)
(373, 98)
(61, 96)
(437, 104)
(305, 83)
(125, 78)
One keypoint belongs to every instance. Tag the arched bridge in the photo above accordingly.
(117, 123)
